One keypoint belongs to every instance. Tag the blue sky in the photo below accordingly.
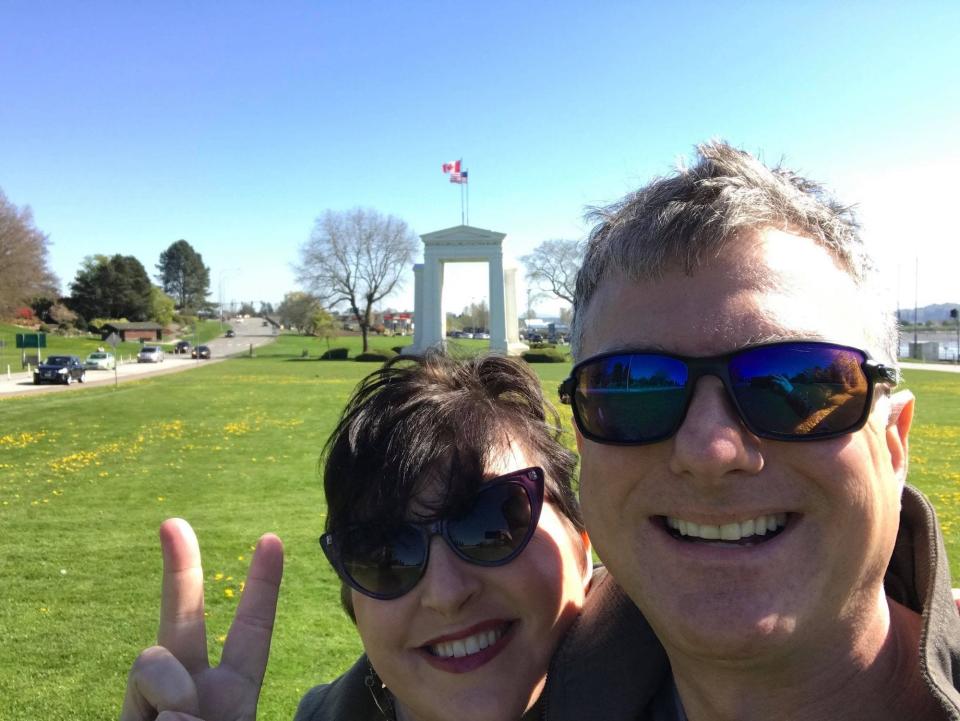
(126, 126)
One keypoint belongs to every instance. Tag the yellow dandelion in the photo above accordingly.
(218, 576)
(228, 592)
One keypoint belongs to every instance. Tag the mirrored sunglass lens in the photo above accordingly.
(495, 526)
(631, 397)
(801, 389)
(385, 561)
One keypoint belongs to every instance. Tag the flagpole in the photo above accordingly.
(468, 199)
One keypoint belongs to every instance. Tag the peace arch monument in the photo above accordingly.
(465, 244)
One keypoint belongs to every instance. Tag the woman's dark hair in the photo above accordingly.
(432, 422)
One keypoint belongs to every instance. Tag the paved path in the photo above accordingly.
(947, 367)
(249, 332)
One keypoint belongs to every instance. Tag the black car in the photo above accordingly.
(60, 369)
(182, 346)
(201, 350)
(231, 333)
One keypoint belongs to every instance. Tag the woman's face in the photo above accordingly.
(523, 607)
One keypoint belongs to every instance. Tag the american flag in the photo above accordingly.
(460, 178)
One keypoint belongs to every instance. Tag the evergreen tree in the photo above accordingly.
(114, 287)
(184, 276)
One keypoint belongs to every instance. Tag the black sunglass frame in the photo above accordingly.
(719, 367)
(531, 480)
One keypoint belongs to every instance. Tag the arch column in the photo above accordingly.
(464, 244)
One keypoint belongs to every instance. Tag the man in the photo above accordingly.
(744, 458)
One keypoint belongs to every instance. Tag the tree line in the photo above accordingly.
(353, 259)
(105, 287)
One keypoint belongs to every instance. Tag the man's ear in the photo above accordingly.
(587, 560)
(898, 431)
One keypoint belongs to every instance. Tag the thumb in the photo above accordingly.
(156, 682)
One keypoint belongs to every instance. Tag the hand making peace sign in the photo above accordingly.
(173, 681)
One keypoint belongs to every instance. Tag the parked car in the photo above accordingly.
(182, 346)
(482, 335)
(100, 361)
(231, 333)
(150, 354)
(59, 369)
(204, 352)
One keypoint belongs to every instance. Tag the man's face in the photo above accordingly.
(839, 498)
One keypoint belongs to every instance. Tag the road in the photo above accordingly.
(250, 332)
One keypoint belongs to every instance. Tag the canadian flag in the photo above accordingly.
(452, 167)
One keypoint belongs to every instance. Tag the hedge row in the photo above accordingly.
(545, 355)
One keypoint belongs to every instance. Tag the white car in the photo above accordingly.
(150, 354)
(100, 361)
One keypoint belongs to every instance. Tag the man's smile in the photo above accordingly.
(746, 532)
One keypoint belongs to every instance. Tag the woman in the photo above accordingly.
(455, 531)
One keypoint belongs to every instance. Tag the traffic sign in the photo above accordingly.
(31, 340)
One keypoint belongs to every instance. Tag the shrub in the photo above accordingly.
(537, 345)
(376, 356)
(335, 354)
(545, 355)
(44, 328)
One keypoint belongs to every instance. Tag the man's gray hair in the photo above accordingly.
(684, 220)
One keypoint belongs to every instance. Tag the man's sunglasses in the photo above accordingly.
(787, 391)
(386, 562)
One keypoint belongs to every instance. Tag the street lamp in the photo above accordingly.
(220, 283)
(955, 314)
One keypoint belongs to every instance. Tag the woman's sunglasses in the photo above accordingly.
(788, 391)
(386, 562)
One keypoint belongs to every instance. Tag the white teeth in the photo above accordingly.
(759, 526)
(467, 646)
(708, 532)
(730, 532)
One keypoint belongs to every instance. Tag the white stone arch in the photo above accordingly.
(465, 244)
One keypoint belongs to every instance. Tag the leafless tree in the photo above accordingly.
(356, 257)
(553, 266)
(24, 269)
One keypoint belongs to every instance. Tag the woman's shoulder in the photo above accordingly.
(346, 697)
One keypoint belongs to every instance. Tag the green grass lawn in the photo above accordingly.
(87, 476)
